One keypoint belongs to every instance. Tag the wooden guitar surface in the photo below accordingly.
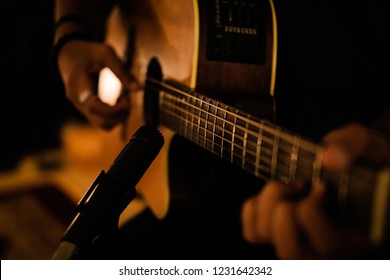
(175, 34)
(208, 73)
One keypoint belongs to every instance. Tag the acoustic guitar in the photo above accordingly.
(196, 58)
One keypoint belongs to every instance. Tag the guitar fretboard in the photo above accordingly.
(254, 144)
(270, 152)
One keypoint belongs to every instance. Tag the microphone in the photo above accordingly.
(110, 193)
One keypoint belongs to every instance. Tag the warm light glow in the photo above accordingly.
(109, 86)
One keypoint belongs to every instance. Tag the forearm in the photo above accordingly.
(91, 13)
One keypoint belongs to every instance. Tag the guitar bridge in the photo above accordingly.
(236, 31)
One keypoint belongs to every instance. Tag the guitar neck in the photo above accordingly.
(253, 144)
(270, 152)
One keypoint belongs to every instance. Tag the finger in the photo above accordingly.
(249, 208)
(272, 193)
(311, 214)
(257, 211)
(351, 138)
(334, 158)
(105, 110)
(104, 115)
(286, 234)
(328, 239)
(98, 112)
(79, 87)
(356, 142)
(106, 124)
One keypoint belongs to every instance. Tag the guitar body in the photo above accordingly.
(208, 74)
(177, 37)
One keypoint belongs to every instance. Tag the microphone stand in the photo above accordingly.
(91, 228)
(97, 219)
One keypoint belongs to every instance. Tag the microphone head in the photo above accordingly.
(136, 157)
(150, 136)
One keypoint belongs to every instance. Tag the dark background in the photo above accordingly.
(33, 108)
(33, 104)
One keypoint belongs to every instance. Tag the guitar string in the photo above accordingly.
(226, 111)
(250, 119)
(261, 126)
(253, 145)
(283, 161)
(305, 167)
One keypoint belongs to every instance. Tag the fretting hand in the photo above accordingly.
(301, 229)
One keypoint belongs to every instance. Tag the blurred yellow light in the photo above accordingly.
(109, 86)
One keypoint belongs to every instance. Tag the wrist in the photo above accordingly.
(67, 28)
(60, 43)
(70, 23)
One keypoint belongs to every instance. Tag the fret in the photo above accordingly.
(274, 160)
(211, 111)
(199, 119)
(267, 149)
(187, 106)
(192, 117)
(214, 125)
(223, 129)
(294, 159)
(262, 170)
(219, 123)
(206, 126)
(245, 144)
(233, 138)
(239, 137)
(250, 147)
(284, 159)
(305, 162)
(240, 132)
(258, 150)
